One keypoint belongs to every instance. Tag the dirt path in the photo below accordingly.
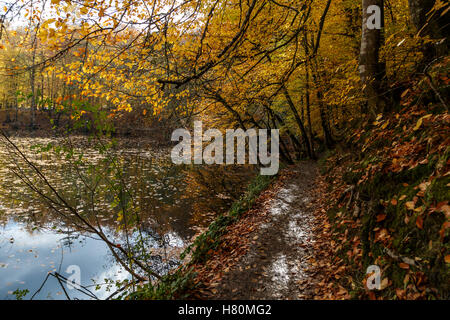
(276, 265)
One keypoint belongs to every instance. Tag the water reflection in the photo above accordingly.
(27, 257)
(172, 202)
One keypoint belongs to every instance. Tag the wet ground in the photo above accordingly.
(277, 265)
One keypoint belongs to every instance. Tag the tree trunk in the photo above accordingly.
(32, 84)
(308, 105)
(33, 96)
(434, 24)
(308, 110)
(298, 120)
(327, 134)
(372, 72)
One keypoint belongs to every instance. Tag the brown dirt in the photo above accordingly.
(269, 253)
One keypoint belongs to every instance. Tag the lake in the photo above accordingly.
(131, 192)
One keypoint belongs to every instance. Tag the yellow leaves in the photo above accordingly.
(418, 124)
(420, 121)
(447, 258)
(68, 8)
(47, 22)
(378, 121)
(77, 116)
(125, 107)
(84, 10)
(43, 33)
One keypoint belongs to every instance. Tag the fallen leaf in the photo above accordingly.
(419, 222)
(384, 283)
(403, 265)
(400, 293)
(410, 205)
(446, 210)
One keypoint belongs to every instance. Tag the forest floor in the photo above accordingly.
(271, 252)
(274, 267)
(381, 198)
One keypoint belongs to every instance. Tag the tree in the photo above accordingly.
(430, 18)
(372, 71)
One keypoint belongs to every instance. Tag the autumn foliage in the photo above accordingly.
(289, 65)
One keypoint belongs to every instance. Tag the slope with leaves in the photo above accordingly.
(389, 200)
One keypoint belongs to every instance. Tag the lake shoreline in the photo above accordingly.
(187, 282)
(173, 204)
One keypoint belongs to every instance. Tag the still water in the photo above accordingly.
(172, 204)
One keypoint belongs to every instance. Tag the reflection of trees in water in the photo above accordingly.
(166, 197)
(133, 200)
(212, 190)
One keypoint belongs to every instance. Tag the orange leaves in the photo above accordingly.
(410, 205)
(424, 185)
(409, 153)
(445, 226)
(403, 265)
(381, 235)
(419, 222)
(401, 294)
(444, 208)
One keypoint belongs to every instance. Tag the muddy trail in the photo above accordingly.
(277, 262)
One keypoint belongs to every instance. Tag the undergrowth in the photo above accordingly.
(392, 183)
